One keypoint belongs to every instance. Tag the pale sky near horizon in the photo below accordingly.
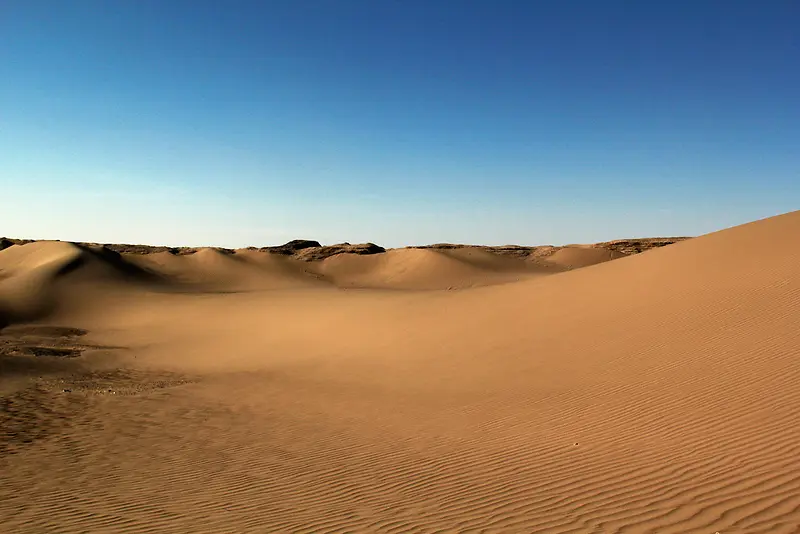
(398, 122)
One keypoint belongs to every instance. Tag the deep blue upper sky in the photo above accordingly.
(400, 122)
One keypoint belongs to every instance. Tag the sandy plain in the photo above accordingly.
(441, 389)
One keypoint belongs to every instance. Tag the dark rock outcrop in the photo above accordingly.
(292, 247)
(635, 246)
(140, 249)
(322, 252)
(517, 251)
(621, 246)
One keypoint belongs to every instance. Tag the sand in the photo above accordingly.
(247, 393)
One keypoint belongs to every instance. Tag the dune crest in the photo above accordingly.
(297, 264)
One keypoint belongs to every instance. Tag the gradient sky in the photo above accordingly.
(236, 123)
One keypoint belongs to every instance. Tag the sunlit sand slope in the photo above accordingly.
(655, 393)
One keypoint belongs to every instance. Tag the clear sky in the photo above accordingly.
(236, 123)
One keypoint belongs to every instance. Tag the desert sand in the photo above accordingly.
(444, 389)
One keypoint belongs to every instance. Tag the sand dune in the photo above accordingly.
(484, 260)
(575, 257)
(654, 393)
(423, 269)
(58, 259)
(26, 273)
(21, 258)
(211, 269)
(38, 278)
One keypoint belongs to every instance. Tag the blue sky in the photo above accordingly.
(399, 122)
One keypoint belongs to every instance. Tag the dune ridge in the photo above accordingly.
(657, 392)
(310, 250)
(422, 269)
(300, 263)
